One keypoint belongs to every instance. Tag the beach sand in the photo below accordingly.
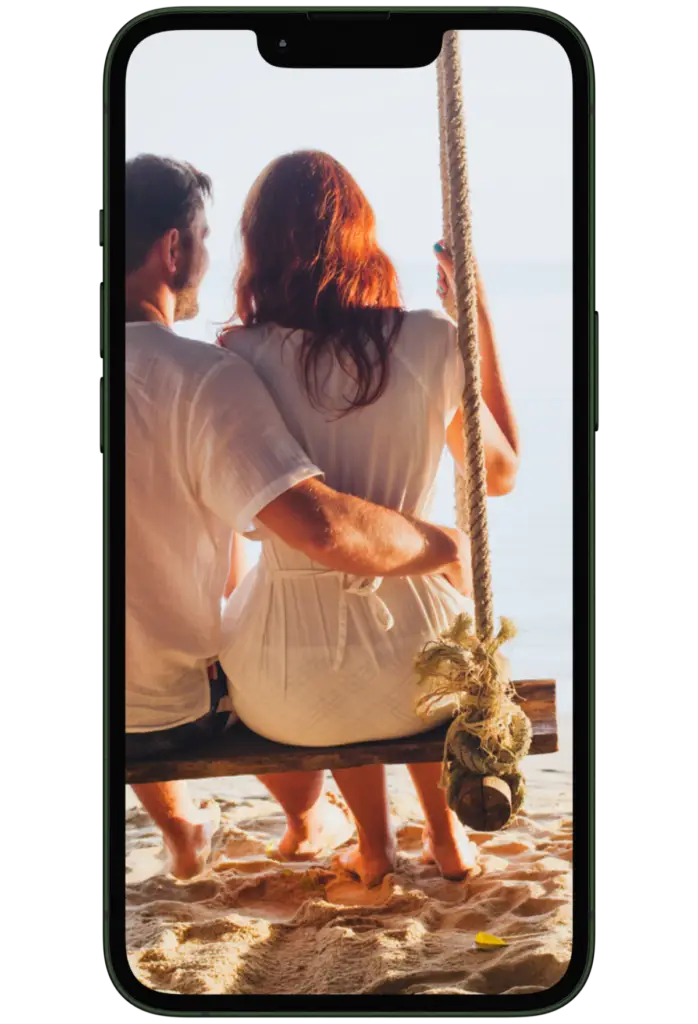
(254, 924)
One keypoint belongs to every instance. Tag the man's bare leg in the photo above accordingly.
(187, 830)
(365, 792)
(445, 842)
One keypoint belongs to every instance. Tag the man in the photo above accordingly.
(206, 452)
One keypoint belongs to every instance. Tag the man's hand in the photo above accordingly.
(460, 573)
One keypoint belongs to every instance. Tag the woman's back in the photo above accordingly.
(316, 657)
(388, 451)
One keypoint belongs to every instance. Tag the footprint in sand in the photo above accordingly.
(537, 906)
(137, 818)
(359, 924)
(346, 892)
(164, 887)
(479, 838)
(222, 929)
(145, 862)
(235, 844)
(505, 849)
(470, 921)
(492, 865)
(546, 869)
(240, 866)
(166, 911)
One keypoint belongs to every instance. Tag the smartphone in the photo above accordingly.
(349, 405)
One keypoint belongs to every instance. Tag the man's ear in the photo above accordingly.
(171, 250)
(167, 251)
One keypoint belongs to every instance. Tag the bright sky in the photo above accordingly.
(210, 98)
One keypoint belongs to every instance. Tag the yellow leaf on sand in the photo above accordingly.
(485, 941)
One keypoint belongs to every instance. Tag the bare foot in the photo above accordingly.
(454, 854)
(324, 827)
(370, 866)
(188, 842)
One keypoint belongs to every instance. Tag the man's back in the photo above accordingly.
(176, 551)
(202, 458)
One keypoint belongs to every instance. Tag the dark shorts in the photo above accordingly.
(142, 745)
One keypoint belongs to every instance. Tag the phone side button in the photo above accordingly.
(101, 227)
(100, 414)
(100, 320)
(596, 378)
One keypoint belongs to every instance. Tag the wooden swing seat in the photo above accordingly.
(239, 751)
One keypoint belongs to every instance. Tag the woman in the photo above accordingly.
(372, 393)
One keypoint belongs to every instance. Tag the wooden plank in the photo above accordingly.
(241, 752)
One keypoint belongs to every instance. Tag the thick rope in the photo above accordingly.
(490, 733)
(460, 484)
(466, 306)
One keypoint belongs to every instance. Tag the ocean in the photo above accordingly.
(530, 529)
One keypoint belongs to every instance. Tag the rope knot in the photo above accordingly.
(489, 734)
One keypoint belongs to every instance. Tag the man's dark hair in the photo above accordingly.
(161, 194)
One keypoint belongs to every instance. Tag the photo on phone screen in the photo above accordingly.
(349, 545)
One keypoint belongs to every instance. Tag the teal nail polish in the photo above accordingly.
(438, 247)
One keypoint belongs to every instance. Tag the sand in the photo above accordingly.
(254, 924)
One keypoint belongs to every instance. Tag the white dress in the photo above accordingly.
(321, 658)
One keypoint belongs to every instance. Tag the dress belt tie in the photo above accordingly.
(360, 586)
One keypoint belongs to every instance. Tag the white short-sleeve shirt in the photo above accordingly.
(206, 450)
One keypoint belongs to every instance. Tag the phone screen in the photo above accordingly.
(292, 358)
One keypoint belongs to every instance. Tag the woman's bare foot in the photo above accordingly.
(444, 841)
(453, 853)
(369, 864)
(188, 841)
(323, 827)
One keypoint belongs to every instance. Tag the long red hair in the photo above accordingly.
(311, 263)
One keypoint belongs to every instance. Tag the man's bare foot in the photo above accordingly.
(453, 853)
(188, 841)
(370, 866)
(325, 826)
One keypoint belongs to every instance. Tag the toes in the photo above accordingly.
(347, 862)
(351, 863)
(454, 862)
(369, 873)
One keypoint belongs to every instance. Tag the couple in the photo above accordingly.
(318, 422)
